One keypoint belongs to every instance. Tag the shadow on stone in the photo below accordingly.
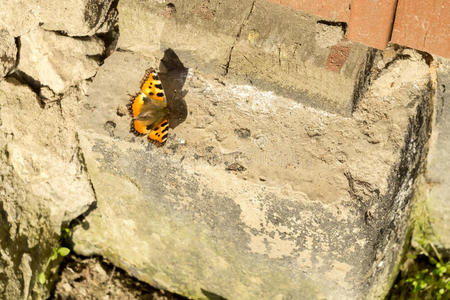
(212, 296)
(173, 76)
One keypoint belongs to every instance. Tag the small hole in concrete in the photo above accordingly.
(109, 126)
(170, 10)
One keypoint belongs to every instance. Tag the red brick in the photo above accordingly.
(337, 57)
(424, 25)
(371, 22)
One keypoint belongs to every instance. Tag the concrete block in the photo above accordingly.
(318, 208)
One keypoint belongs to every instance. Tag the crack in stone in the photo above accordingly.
(279, 56)
(238, 35)
(343, 25)
(78, 156)
(363, 207)
(363, 80)
(83, 169)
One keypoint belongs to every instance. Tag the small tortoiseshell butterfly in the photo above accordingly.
(148, 109)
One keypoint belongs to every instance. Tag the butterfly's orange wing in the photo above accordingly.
(138, 127)
(151, 87)
(159, 134)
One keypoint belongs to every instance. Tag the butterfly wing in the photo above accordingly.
(149, 109)
(159, 133)
(154, 116)
(152, 87)
(138, 127)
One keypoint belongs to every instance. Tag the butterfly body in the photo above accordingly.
(148, 109)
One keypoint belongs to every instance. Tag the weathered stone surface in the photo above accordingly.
(291, 58)
(255, 195)
(19, 16)
(60, 61)
(76, 18)
(43, 185)
(438, 168)
(320, 210)
(8, 52)
(272, 47)
(328, 36)
(201, 32)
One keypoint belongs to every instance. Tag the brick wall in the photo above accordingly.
(424, 25)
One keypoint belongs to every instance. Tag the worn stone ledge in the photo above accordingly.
(270, 46)
(320, 210)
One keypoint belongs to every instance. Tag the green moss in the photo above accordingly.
(424, 274)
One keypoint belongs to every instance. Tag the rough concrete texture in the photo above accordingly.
(8, 52)
(19, 16)
(60, 61)
(234, 38)
(438, 168)
(43, 185)
(74, 18)
(333, 10)
(327, 36)
(320, 209)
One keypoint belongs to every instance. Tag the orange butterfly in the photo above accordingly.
(148, 109)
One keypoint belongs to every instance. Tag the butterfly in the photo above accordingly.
(148, 109)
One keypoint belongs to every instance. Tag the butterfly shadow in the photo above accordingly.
(173, 76)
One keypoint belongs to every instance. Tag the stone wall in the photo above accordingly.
(288, 172)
